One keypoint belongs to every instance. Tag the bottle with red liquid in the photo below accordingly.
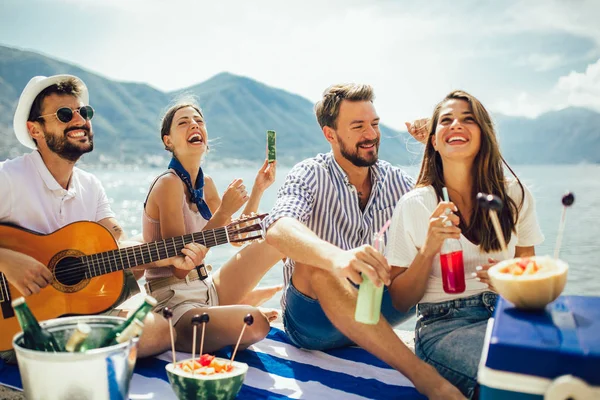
(451, 261)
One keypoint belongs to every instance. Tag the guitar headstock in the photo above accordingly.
(246, 228)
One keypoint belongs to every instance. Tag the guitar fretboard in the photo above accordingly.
(129, 257)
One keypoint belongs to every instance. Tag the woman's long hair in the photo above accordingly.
(488, 177)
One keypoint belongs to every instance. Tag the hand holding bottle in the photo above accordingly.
(265, 176)
(451, 258)
(368, 302)
(442, 225)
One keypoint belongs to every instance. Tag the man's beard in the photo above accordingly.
(67, 150)
(355, 158)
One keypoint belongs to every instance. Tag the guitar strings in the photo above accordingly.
(103, 261)
(79, 267)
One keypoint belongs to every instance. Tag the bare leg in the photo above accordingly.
(155, 337)
(338, 300)
(259, 295)
(241, 273)
(224, 328)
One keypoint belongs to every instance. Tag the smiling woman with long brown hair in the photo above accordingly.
(461, 154)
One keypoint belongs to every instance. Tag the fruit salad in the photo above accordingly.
(525, 266)
(205, 365)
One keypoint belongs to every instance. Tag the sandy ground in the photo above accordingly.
(10, 394)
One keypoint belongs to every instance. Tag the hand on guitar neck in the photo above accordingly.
(26, 273)
(193, 254)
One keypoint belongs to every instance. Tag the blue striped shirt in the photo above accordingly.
(318, 193)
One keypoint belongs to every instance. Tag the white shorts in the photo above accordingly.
(183, 296)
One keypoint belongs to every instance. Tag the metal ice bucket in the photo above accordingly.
(99, 374)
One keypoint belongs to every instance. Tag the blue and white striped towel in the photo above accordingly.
(279, 370)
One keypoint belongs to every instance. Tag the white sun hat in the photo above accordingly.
(33, 88)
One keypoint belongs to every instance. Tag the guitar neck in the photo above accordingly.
(129, 257)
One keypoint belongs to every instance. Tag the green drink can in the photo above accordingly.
(368, 303)
(271, 155)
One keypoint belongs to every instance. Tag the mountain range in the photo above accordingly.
(239, 110)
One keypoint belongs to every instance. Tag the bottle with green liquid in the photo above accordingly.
(139, 314)
(368, 304)
(34, 336)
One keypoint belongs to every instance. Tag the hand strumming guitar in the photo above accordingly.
(24, 272)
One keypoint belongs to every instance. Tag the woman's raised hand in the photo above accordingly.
(418, 129)
(234, 197)
(443, 225)
(265, 176)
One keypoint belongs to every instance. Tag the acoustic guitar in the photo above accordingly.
(88, 266)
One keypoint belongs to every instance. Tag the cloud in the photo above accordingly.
(582, 89)
(576, 17)
(541, 62)
(576, 89)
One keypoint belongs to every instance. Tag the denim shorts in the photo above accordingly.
(449, 336)
(308, 327)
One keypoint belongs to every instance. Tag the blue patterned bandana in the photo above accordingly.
(197, 193)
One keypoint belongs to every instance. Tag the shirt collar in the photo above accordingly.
(47, 177)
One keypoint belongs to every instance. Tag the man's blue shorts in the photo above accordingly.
(308, 327)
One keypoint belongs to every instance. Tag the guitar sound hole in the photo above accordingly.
(69, 271)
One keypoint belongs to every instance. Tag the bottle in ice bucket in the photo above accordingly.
(77, 338)
(139, 314)
(133, 330)
(451, 262)
(34, 336)
(368, 303)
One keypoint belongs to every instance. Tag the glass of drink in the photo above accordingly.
(368, 304)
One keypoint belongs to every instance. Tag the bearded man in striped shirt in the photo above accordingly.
(324, 219)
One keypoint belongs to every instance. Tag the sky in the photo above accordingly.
(518, 57)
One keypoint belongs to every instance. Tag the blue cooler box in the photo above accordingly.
(552, 354)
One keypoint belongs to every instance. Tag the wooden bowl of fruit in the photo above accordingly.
(530, 283)
(207, 377)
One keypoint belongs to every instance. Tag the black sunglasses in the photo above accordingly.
(65, 114)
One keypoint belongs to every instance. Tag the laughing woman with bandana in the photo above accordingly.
(183, 200)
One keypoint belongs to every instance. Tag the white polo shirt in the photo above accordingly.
(30, 197)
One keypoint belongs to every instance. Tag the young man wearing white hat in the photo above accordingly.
(43, 191)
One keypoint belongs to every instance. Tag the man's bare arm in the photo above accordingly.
(299, 243)
(114, 228)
